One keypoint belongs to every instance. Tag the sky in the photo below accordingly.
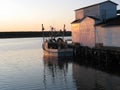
(28, 15)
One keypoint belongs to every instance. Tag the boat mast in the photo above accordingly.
(51, 32)
(64, 31)
(43, 32)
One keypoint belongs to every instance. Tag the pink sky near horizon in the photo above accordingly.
(28, 15)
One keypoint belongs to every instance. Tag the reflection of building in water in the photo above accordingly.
(90, 79)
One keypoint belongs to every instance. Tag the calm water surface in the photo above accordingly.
(23, 67)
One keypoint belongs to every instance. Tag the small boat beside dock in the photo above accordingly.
(56, 47)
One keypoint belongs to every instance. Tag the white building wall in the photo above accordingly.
(109, 36)
(75, 32)
(83, 32)
(91, 11)
(100, 35)
(79, 14)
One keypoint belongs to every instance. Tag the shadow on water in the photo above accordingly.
(96, 73)
(107, 64)
(81, 73)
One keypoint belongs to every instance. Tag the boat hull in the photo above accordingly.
(58, 53)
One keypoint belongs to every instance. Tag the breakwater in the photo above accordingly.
(32, 34)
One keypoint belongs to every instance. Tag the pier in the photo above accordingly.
(98, 55)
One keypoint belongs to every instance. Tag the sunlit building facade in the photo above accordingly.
(83, 32)
(87, 29)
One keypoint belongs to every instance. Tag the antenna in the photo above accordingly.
(43, 28)
(64, 31)
(43, 32)
(64, 27)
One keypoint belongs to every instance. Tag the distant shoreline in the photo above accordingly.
(28, 34)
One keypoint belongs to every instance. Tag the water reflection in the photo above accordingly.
(58, 73)
(93, 76)
(23, 67)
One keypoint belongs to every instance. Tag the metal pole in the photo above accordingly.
(63, 31)
(52, 32)
(43, 32)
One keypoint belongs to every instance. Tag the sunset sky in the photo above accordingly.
(28, 15)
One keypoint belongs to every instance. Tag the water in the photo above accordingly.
(23, 67)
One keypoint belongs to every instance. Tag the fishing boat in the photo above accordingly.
(56, 47)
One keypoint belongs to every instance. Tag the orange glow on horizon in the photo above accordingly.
(31, 26)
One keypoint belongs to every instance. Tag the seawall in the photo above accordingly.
(32, 34)
(98, 55)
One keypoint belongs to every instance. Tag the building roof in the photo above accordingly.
(80, 20)
(96, 4)
(110, 22)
